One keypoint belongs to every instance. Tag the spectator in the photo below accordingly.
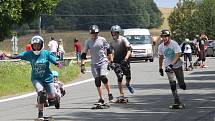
(77, 48)
(53, 45)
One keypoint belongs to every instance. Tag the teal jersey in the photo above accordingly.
(40, 64)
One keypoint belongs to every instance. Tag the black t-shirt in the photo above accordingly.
(201, 43)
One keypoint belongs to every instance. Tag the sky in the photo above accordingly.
(166, 3)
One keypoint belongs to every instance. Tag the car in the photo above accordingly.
(141, 43)
(210, 48)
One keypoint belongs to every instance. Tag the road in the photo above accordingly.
(149, 103)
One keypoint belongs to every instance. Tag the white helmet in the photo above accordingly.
(37, 40)
(187, 40)
(116, 28)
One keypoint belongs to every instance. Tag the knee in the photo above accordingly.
(97, 82)
(42, 96)
(104, 79)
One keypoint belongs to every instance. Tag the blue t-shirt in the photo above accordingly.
(40, 64)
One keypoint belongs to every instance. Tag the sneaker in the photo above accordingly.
(101, 101)
(40, 115)
(131, 89)
(110, 96)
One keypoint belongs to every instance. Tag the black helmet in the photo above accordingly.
(94, 29)
(165, 32)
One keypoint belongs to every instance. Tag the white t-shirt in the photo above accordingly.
(187, 48)
(53, 45)
(169, 53)
(60, 49)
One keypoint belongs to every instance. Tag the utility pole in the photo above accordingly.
(39, 25)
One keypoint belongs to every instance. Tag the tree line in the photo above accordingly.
(79, 14)
(191, 17)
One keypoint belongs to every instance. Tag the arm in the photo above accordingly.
(177, 57)
(161, 61)
(128, 46)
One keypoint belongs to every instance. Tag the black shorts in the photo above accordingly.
(201, 55)
(123, 68)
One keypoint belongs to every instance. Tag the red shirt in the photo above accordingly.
(77, 47)
(28, 47)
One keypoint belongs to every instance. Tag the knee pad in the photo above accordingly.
(104, 79)
(128, 78)
(42, 96)
(182, 86)
(173, 85)
(97, 82)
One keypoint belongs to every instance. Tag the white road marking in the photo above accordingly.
(34, 93)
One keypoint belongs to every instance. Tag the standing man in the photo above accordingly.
(120, 62)
(53, 45)
(187, 50)
(171, 52)
(99, 49)
(201, 49)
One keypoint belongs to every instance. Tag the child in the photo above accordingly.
(41, 76)
(58, 85)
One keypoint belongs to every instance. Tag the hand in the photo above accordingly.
(124, 62)
(83, 70)
(161, 72)
(169, 68)
(59, 65)
(111, 66)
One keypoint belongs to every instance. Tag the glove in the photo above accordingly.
(83, 70)
(161, 72)
(169, 68)
(124, 62)
(59, 65)
(111, 66)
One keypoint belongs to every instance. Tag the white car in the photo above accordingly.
(141, 43)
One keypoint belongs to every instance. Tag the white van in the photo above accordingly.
(141, 43)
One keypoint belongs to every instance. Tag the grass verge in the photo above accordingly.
(15, 77)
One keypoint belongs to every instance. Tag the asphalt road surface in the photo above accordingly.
(150, 102)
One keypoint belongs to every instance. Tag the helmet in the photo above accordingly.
(165, 32)
(116, 28)
(187, 40)
(37, 40)
(55, 73)
(94, 29)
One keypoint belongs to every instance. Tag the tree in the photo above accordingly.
(22, 11)
(191, 17)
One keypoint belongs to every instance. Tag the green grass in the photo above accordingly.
(16, 77)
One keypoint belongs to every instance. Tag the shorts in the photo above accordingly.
(40, 86)
(122, 68)
(201, 55)
(99, 71)
(188, 55)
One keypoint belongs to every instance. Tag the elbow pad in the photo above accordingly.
(109, 51)
(83, 56)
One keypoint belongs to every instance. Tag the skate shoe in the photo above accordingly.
(130, 88)
(110, 96)
(101, 101)
(40, 115)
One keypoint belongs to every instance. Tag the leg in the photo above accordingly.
(105, 82)
(185, 61)
(119, 73)
(41, 97)
(190, 60)
(98, 85)
(180, 77)
(172, 83)
(127, 73)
